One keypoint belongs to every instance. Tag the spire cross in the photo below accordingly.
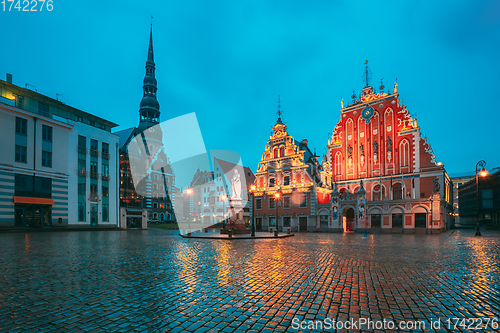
(279, 107)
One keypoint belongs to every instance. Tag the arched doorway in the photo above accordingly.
(349, 216)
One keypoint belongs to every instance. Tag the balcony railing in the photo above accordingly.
(105, 177)
(105, 155)
(81, 150)
(93, 198)
(94, 152)
(81, 173)
(94, 175)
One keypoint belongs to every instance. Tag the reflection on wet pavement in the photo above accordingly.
(157, 281)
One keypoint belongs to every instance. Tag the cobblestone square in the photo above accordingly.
(156, 281)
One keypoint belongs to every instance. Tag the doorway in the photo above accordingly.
(420, 220)
(397, 220)
(29, 215)
(303, 223)
(350, 221)
(93, 215)
(258, 224)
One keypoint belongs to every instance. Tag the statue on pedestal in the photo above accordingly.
(236, 185)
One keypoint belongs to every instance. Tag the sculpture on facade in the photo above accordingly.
(437, 186)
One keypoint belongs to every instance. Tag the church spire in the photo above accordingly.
(151, 57)
(150, 108)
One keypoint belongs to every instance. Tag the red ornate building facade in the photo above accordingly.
(288, 167)
(383, 172)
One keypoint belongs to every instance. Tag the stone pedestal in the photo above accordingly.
(236, 223)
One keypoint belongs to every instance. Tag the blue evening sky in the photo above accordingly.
(228, 61)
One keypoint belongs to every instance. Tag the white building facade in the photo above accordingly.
(46, 178)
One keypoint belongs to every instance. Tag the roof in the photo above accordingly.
(53, 102)
(228, 166)
(124, 136)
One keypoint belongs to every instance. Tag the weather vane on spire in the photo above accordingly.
(279, 109)
(367, 75)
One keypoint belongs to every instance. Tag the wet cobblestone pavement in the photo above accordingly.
(146, 281)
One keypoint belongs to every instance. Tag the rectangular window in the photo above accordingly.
(82, 168)
(29, 186)
(94, 147)
(105, 170)
(82, 141)
(272, 203)
(21, 126)
(47, 159)
(105, 150)
(286, 221)
(46, 191)
(43, 109)
(258, 203)
(286, 202)
(286, 180)
(271, 182)
(19, 101)
(20, 185)
(81, 189)
(93, 190)
(303, 201)
(21, 154)
(93, 169)
(81, 212)
(105, 190)
(105, 213)
(155, 205)
(46, 133)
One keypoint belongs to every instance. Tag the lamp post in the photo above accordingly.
(483, 173)
(277, 196)
(223, 198)
(252, 190)
(189, 192)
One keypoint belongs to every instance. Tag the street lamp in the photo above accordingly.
(189, 192)
(277, 196)
(483, 173)
(223, 198)
(252, 190)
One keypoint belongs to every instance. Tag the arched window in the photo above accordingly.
(404, 153)
(155, 216)
(162, 217)
(338, 163)
(282, 151)
(397, 191)
(276, 152)
(378, 193)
